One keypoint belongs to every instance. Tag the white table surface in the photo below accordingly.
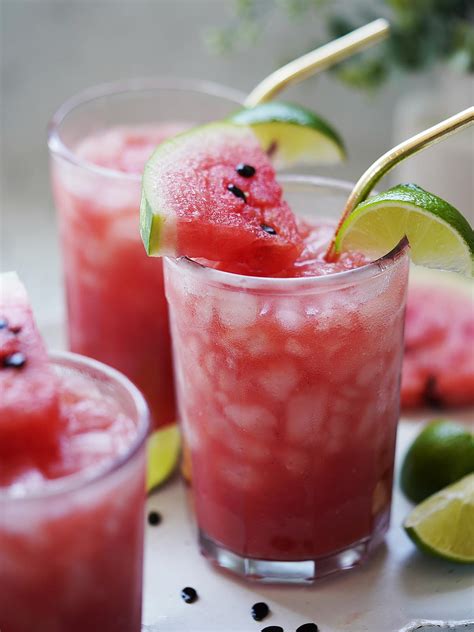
(396, 586)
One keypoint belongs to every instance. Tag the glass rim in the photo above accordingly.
(58, 148)
(82, 479)
(282, 284)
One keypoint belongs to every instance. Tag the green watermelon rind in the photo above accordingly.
(151, 227)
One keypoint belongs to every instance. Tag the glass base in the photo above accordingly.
(288, 572)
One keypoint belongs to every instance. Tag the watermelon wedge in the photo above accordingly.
(29, 403)
(212, 193)
(438, 364)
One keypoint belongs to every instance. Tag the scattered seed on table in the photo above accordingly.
(260, 610)
(154, 518)
(189, 595)
(308, 627)
(273, 628)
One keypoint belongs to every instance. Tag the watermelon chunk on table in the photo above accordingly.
(29, 402)
(438, 365)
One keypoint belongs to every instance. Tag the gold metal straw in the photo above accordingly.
(318, 60)
(404, 150)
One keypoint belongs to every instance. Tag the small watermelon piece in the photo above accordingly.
(29, 403)
(199, 201)
(438, 365)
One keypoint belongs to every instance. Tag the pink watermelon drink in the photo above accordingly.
(99, 144)
(291, 419)
(287, 367)
(71, 485)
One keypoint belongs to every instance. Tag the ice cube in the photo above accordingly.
(305, 413)
(237, 309)
(289, 314)
(279, 380)
(253, 419)
(244, 476)
(258, 344)
(295, 348)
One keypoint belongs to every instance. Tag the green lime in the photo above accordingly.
(292, 134)
(443, 525)
(441, 454)
(439, 236)
(163, 449)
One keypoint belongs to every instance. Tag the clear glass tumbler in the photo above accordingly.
(288, 391)
(99, 142)
(71, 549)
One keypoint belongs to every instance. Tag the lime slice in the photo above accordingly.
(443, 525)
(292, 134)
(163, 449)
(441, 454)
(439, 236)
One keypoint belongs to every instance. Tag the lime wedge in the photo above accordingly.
(163, 449)
(439, 236)
(443, 524)
(292, 134)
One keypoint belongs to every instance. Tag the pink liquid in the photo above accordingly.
(117, 311)
(290, 401)
(72, 560)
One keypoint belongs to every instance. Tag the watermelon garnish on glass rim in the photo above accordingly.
(212, 193)
(29, 403)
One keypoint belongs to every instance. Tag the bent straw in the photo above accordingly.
(393, 157)
(318, 60)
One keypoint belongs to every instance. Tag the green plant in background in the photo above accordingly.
(424, 32)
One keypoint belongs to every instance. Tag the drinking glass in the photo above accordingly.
(288, 392)
(116, 309)
(71, 549)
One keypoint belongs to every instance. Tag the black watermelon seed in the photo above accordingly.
(237, 192)
(15, 329)
(431, 394)
(189, 595)
(154, 518)
(14, 361)
(308, 627)
(260, 610)
(3, 323)
(246, 171)
(268, 229)
(273, 628)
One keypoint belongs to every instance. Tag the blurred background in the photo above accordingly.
(52, 49)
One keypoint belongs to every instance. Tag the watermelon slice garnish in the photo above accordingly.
(29, 403)
(199, 201)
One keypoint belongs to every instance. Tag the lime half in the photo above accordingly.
(443, 525)
(163, 449)
(439, 236)
(292, 134)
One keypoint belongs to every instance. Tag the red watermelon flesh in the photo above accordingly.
(29, 402)
(209, 210)
(438, 365)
